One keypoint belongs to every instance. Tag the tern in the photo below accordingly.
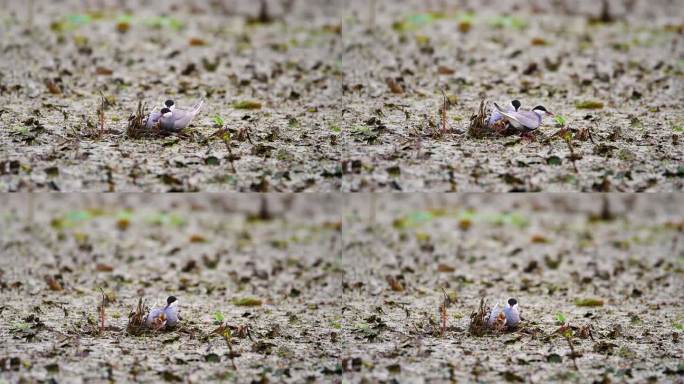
(177, 119)
(525, 120)
(496, 116)
(170, 104)
(168, 316)
(508, 318)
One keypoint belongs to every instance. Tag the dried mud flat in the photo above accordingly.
(616, 78)
(276, 277)
(615, 275)
(272, 79)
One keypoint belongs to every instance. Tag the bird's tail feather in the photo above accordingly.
(196, 108)
(498, 108)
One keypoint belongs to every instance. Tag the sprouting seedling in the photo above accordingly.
(560, 120)
(224, 331)
(218, 120)
(218, 317)
(560, 318)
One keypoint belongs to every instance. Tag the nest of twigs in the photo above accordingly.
(479, 129)
(137, 124)
(136, 319)
(478, 320)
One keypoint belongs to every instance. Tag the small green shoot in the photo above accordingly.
(560, 318)
(218, 317)
(560, 120)
(218, 120)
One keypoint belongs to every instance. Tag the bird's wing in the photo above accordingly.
(527, 119)
(182, 120)
(152, 119)
(196, 108)
(493, 315)
(153, 315)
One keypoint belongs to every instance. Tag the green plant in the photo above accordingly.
(560, 120)
(218, 120)
(560, 318)
(218, 317)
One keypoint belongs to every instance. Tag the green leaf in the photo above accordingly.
(554, 358)
(218, 120)
(554, 160)
(560, 318)
(591, 302)
(218, 317)
(560, 120)
(247, 104)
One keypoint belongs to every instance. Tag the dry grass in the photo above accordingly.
(478, 123)
(94, 130)
(479, 129)
(478, 320)
(136, 319)
(101, 313)
(137, 129)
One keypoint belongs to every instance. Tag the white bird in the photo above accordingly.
(508, 318)
(154, 116)
(168, 316)
(170, 104)
(152, 119)
(525, 120)
(177, 119)
(496, 116)
(512, 313)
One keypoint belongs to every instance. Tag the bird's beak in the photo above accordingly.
(550, 113)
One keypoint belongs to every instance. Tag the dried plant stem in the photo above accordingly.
(572, 351)
(225, 137)
(224, 331)
(566, 138)
(478, 126)
(478, 320)
(101, 115)
(444, 123)
(102, 313)
(443, 317)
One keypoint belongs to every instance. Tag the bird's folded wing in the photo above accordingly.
(526, 119)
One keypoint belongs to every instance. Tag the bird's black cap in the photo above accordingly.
(512, 301)
(539, 108)
(171, 299)
(165, 111)
(516, 104)
(169, 103)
